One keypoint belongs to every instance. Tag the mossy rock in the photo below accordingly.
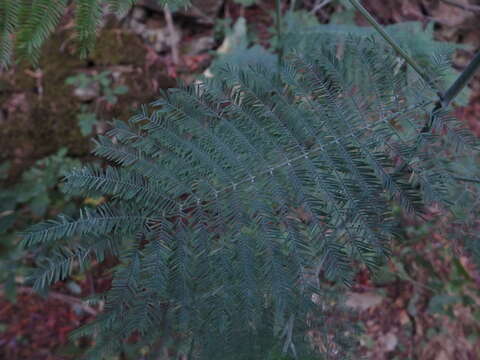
(48, 119)
(118, 48)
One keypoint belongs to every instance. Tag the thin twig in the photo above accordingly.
(461, 81)
(470, 180)
(171, 29)
(57, 296)
(278, 24)
(356, 4)
(473, 8)
(318, 7)
(192, 347)
(293, 4)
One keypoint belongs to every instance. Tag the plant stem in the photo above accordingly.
(190, 351)
(470, 180)
(278, 24)
(356, 4)
(173, 41)
(474, 8)
(293, 3)
(446, 97)
(461, 81)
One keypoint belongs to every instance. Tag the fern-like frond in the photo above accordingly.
(9, 11)
(88, 14)
(122, 184)
(38, 20)
(234, 195)
(60, 264)
(102, 220)
(120, 7)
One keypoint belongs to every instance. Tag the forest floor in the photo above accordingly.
(406, 314)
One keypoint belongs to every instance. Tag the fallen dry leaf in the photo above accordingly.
(363, 301)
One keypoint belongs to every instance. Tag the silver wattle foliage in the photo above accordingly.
(230, 199)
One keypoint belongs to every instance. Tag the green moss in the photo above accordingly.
(48, 120)
(5, 86)
(47, 117)
(119, 48)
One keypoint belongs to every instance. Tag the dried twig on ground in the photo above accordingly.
(474, 8)
(172, 38)
(58, 296)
